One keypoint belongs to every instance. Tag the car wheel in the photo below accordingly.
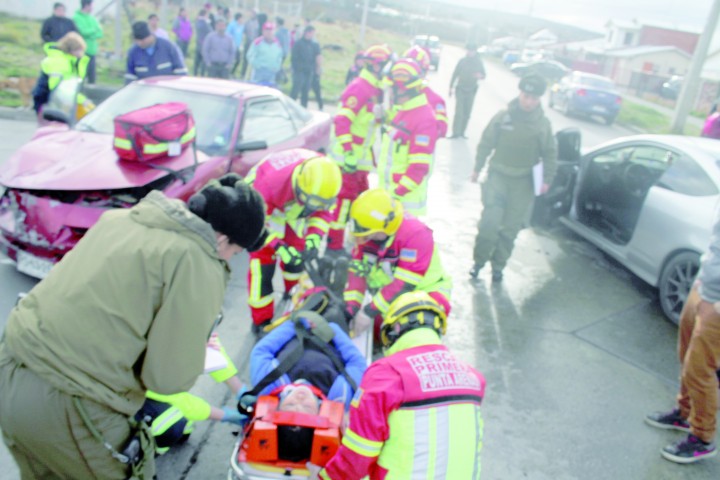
(675, 283)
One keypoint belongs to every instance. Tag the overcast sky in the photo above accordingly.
(592, 14)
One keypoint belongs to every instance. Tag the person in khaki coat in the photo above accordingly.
(129, 309)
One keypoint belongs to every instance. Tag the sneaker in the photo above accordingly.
(668, 420)
(497, 276)
(474, 271)
(689, 450)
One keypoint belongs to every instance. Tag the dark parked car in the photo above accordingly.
(671, 88)
(55, 187)
(586, 94)
(550, 69)
(431, 43)
(648, 201)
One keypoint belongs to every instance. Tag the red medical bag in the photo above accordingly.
(150, 133)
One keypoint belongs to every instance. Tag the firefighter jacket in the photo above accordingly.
(313, 366)
(273, 179)
(406, 261)
(415, 415)
(518, 140)
(354, 124)
(408, 143)
(438, 105)
(131, 285)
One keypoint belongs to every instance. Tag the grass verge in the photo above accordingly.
(649, 120)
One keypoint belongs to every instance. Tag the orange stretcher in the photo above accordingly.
(255, 456)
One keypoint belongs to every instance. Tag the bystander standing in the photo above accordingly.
(202, 29)
(236, 30)
(182, 28)
(151, 56)
(91, 31)
(218, 51)
(265, 57)
(57, 25)
(304, 62)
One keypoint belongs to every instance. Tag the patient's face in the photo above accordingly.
(302, 400)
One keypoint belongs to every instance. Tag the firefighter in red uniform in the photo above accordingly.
(408, 140)
(354, 134)
(395, 253)
(300, 188)
(422, 58)
(417, 411)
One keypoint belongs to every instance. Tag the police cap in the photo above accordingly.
(533, 84)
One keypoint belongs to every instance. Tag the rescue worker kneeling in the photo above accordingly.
(395, 253)
(300, 188)
(418, 388)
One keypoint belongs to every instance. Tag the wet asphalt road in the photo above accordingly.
(574, 348)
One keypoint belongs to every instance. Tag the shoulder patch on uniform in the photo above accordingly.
(351, 101)
(422, 140)
(408, 255)
(440, 107)
(356, 398)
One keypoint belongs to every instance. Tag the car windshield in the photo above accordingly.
(425, 42)
(214, 115)
(596, 82)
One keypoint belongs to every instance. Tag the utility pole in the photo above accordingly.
(689, 89)
(118, 53)
(363, 23)
(163, 12)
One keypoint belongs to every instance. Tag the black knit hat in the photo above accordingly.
(533, 84)
(234, 208)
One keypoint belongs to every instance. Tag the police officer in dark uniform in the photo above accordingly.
(464, 81)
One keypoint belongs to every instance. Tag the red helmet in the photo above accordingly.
(420, 55)
(378, 54)
(405, 74)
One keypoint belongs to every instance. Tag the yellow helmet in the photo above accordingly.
(375, 211)
(412, 310)
(406, 74)
(378, 55)
(317, 182)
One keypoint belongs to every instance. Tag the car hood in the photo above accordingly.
(74, 160)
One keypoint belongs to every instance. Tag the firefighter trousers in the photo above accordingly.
(260, 277)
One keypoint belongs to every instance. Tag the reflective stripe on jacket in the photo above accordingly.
(438, 105)
(406, 152)
(58, 65)
(409, 261)
(273, 179)
(416, 415)
(354, 123)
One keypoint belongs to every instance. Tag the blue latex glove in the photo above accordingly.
(231, 415)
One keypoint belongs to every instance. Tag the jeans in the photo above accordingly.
(302, 82)
(218, 70)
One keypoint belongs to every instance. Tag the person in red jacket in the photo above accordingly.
(300, 188)
(354, 132)
(422, 58)
(417, 412)
(408, 139)
(395, 253)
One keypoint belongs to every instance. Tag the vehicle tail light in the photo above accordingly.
(580, 92)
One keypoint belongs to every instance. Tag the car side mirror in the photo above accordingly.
(569, 143)
(53, 115)
(251, 146)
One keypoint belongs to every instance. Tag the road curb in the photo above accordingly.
(21, 114)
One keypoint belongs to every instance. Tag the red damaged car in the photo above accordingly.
(54, 188)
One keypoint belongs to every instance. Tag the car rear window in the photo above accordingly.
(214, 115)
(596, 82)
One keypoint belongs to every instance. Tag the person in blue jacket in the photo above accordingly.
(314, 366)
(151, 56)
